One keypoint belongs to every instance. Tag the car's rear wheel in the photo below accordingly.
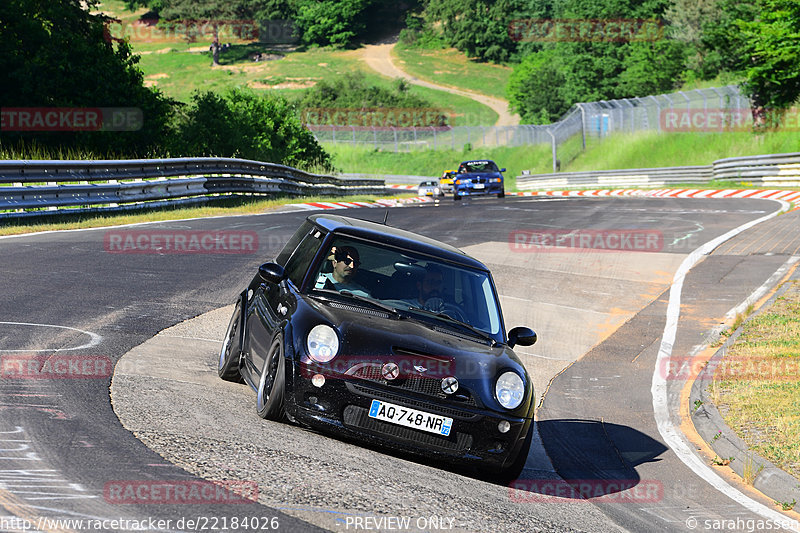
(271, 386)
(456, 196)
(228, 366)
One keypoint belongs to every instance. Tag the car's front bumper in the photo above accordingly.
(471, 190)
(341, 406)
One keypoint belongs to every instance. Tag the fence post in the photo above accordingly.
(583, 125)
(553, 144)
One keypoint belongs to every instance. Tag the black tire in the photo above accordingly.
(501, 194)
(513, 471)
(272, 385)
(229, 354)
(456, 197)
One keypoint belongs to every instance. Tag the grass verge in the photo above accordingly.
(758, 382)
(224, 207)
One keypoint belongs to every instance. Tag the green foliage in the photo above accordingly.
(55, 54)
(686, 23)
(590, 67)
(761, 41)
(352, 91)
(476, 27)
(330, 22)
(535, 89)
(243, 124)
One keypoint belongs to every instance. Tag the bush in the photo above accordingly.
(243, 124)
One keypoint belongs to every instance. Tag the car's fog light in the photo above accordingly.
(504, 426)
(318, 380)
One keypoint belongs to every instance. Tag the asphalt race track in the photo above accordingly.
(73, 298)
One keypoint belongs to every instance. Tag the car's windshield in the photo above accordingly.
(408, 281)
(479, 166)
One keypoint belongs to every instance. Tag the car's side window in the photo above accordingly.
(297, 265)
(294, 240)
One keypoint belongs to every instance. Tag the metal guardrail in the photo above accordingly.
(768, 170)
(637, 177)
(55, 185)
(772, 169)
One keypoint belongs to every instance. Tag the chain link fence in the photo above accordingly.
(697, 110)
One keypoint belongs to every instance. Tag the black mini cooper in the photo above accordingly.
(386, 336)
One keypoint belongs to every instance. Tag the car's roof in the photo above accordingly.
(373, 231)
(477, 161)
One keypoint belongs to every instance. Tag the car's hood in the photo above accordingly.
(368, 333)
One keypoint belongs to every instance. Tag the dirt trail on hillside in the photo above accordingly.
(378, 57)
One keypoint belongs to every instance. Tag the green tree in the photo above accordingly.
(243, 124)
(330, 22)
(480, 28)
(686, 22)
(762, 42)
(535, 89)
(55, 54)
(604, 50)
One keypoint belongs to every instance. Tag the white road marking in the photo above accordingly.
(671, 434)
(94, 338)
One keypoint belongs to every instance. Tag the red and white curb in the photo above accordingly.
(773, 194)
(792, 197)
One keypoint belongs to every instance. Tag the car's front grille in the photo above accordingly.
(358, 417)
(417, 384)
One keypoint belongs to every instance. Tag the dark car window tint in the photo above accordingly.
(294, 240)
(299, 262)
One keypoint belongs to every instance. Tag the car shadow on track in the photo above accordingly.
(595, 460)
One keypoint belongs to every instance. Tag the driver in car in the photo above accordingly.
(345, 262)
(430, 288)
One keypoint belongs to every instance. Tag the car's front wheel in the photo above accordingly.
(271, 386)
(502, 193)
(228, 366)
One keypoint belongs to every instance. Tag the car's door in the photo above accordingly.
(273, 303)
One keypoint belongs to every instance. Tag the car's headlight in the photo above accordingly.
(510, 390)
(322, 343)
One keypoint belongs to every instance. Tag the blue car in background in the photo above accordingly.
(478, 177)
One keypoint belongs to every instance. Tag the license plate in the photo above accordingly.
(405, 416)
(478, 186)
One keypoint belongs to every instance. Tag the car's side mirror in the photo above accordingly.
(271, 272)
(522, 336)
(502, 170)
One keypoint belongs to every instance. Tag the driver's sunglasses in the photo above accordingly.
(347, 260)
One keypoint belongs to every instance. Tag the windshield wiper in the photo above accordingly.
(374, 303)
(453, 321)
